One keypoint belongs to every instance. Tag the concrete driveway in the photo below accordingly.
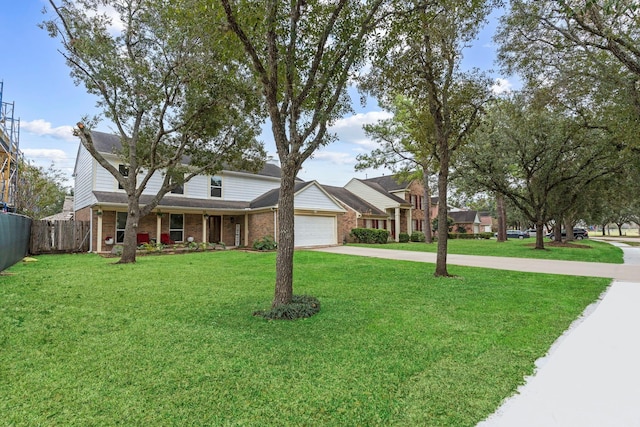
(591, 375)
(614, 271)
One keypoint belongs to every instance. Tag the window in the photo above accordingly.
(179, 189)
(216, 186)
(121, 223)
(176, 227)
(124, 171)
(417, 225)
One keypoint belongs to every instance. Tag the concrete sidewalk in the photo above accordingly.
(591, 375)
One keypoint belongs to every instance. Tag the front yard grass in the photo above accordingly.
(171, 340)
(583, 250)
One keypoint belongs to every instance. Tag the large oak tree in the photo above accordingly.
(170, 82)
(303, 55)
(420, 57)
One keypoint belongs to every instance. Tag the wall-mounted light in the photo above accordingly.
(233, 219)
(205, 215)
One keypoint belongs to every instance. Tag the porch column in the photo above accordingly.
(99, 236)
(409, 222)
(246, 229)
(158, 228)
(397, 224)
(204, 228)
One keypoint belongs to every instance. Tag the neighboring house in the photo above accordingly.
(67, 211)
(359, 213)
(466, 220)
(376, 191)
(486, 223)
(404, 204)
(232, 207)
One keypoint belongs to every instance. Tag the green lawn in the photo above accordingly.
(171, 341)
(583, 250)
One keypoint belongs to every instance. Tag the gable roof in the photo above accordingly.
(111, 144)
(270, 198)
(353, 201)
(380, 189)
(388, 182)
(486, 220)
(462, 217)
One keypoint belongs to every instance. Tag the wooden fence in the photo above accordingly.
(59, 236)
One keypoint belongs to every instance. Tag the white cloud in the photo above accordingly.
(43, 128)
(50, 154)
(335, 157)
(349, 129)
(359, 119)
(501, 86)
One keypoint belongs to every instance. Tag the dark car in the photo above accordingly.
(517, 234)
(578, 234)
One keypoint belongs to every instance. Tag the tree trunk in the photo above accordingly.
(557, 232)
(619, 229)
(568, 226)
(604, 233)
(443, 229)
(502, 218)
(539, 235)
(286, 243)
(130, 244)
(426, 205)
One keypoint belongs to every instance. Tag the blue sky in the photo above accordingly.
(48, 103)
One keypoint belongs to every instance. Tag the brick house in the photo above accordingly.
(404, 204)
(232, 207)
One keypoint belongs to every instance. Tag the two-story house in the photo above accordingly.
(232, 207)
(404, 204)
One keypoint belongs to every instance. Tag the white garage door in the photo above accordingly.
(315, 230)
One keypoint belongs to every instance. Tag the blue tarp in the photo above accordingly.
(15, 232)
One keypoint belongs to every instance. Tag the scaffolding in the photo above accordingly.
(10, 154)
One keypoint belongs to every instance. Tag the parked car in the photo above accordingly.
(578, 234)
(515, 234)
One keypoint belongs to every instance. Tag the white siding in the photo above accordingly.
(198, 187)
(234, 187)
(313, 198)
(372, 196)
(83, 183)
(104, 180)
(246, 188)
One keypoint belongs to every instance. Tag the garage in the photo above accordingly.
(311, 230)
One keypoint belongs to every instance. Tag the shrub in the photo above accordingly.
(417, 236)
(403, 237)
(267, 243)
(370, 235)
(461, 229)
(301, 306)
(152, 247)
(470, 236)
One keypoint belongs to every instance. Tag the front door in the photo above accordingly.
(215, 227)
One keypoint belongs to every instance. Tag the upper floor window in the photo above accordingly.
(124, 171)
(179, 189)
(216, 186)
(416, 201)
